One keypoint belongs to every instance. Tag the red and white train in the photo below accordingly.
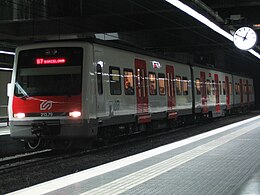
(85, 89)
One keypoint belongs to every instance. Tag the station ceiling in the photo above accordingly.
(153, 25)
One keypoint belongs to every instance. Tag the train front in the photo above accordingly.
(46, 94)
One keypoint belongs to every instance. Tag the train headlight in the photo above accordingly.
(19, 115)
(75, 114)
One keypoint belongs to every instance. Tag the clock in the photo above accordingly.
(245, 38)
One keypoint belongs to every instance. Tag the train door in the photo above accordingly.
(170, 87)
(204, 93)
(241, 92)
(217, 92)
(171, 99)
(227, 93)
(141, 86)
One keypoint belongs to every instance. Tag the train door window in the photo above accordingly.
(220, 88)
(208, 87)
(152, 83)
(250, 89)
(185, 85)
(178, 85)
(236, 92)
(129, 81)
(238, 89)
(230, 88)
(99, 79)
(115, 80)
(224, 87)
(245, 89)
(213, 88)
(161, 82)
(198, 87)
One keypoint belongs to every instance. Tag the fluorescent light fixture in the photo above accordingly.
(205, 21)
(6, 69)
(7, 52)
(107, 36)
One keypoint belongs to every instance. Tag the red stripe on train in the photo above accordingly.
(47, 104)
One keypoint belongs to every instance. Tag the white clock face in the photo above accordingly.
(245, 38)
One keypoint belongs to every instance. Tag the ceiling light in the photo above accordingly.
(7, 52)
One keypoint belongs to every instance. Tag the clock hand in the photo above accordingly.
(240, 36)
(245, 36)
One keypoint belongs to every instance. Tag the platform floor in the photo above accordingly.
(223, 161)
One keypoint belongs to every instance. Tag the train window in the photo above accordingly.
(208, 87)
(224, 87)
(185, 85)
(213, 88)
(161, 82)
(245, 88)
(115, 80)
(198, 87)
(220, 88)
(238, 89)
(152, 84)
(99, 79)
(129, 81)
(250, 89)
(178, 85)
(230, 88)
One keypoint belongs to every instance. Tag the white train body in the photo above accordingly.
(105, 87)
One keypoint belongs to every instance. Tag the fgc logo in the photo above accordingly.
(46, 105)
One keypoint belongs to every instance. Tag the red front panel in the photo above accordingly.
(227, 93)
(217, 92)
(141, 86)
(54, 105)
(170, 87)
(204, 93)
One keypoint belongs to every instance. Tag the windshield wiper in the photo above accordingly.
(24, 93)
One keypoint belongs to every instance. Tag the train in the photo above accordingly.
(62, 91)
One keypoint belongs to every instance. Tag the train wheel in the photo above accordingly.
(34, 144)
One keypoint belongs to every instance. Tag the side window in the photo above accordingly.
(185, 85)
(250, 89)
(129, 82)
(152, 84)
(178, 85)
(224, 87)
(198, 87)
(220, 88)
(99, 79)
(208, 87)
(161, 81)
(230, 88)
(115, 80)
(213, 88)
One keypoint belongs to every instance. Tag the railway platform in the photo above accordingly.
(223, 161)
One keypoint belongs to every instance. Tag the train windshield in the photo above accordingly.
(49, 72)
